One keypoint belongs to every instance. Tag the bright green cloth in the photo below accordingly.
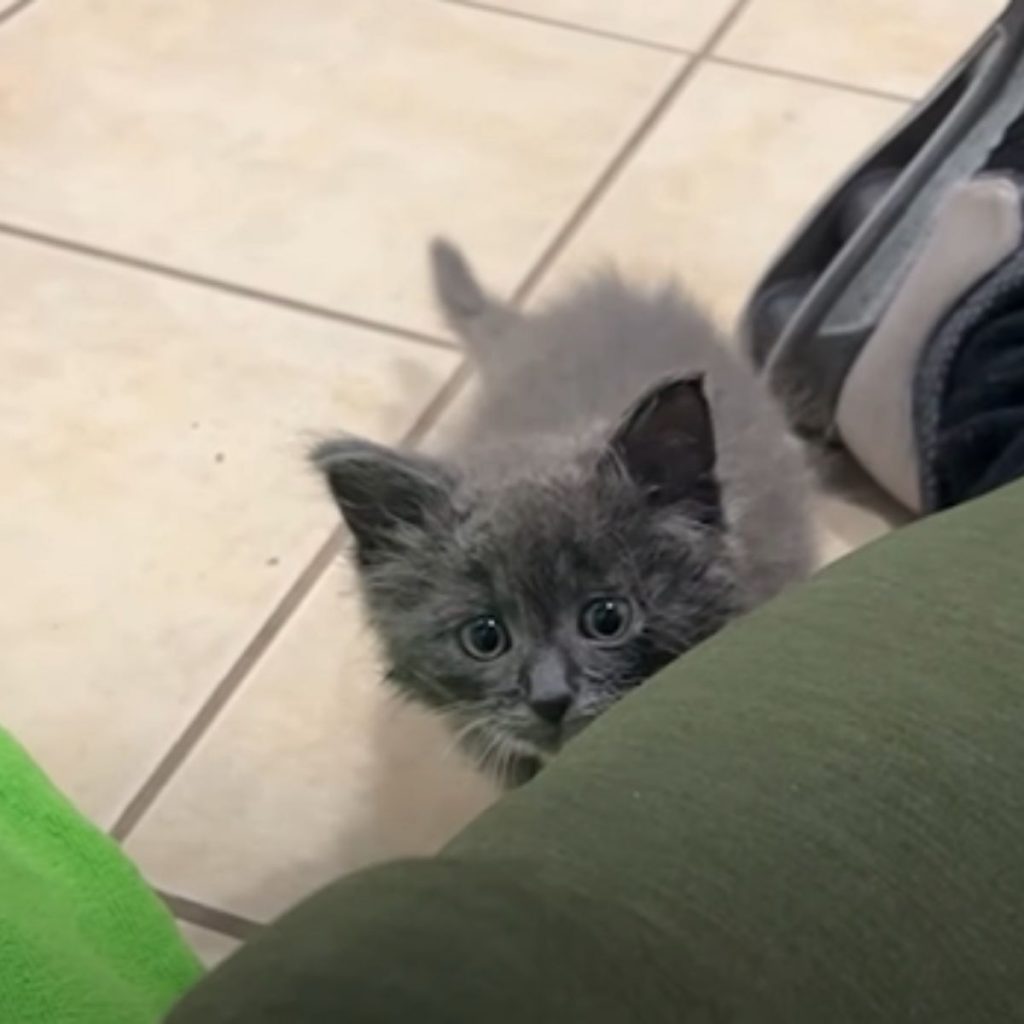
(82, 938)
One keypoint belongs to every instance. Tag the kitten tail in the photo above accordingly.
(473, 314)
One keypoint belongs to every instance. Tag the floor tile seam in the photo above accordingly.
(213, 919)
(245, 292)
(614, 168)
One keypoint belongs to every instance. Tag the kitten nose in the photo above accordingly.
(547, 689)
(552, 709)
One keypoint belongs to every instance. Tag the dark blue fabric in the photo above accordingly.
(980, 440)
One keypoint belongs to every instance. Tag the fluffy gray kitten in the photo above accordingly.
(622, 490)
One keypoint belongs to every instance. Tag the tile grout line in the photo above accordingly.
(293, 598)
(146, 266)
(222, 693)
(568, 26)
(810, 79)
(14, 10)
(213, 919)
(437, 406)
(204, 718)
(620, 160)
(709, 57)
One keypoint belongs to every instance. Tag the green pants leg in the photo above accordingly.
(818, 817)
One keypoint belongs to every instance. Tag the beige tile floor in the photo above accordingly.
(212, 223)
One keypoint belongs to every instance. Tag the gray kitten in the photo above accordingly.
(622, 490)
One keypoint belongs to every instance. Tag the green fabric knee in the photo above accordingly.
(82, 939)
(815, 816)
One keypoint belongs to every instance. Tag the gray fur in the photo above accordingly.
(618, 450)
(478, 318)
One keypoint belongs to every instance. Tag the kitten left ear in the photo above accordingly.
(381, 492)
(666, 445)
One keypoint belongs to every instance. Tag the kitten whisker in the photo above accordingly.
(489, 751)
(464, 733)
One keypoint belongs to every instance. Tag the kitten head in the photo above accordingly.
(524, 601)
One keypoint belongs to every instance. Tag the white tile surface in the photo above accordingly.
(309, 148)
(901, 46)
(157, 502)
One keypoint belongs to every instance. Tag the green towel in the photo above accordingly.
(83, 940)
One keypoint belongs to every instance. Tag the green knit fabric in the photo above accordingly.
(82, 938)
(816, 817)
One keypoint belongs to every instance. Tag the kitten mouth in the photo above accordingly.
(545, 740)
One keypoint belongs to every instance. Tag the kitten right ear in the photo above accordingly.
(666, 445)
(381, 492)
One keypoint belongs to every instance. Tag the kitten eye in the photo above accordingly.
(606, 618)
(484, 638)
